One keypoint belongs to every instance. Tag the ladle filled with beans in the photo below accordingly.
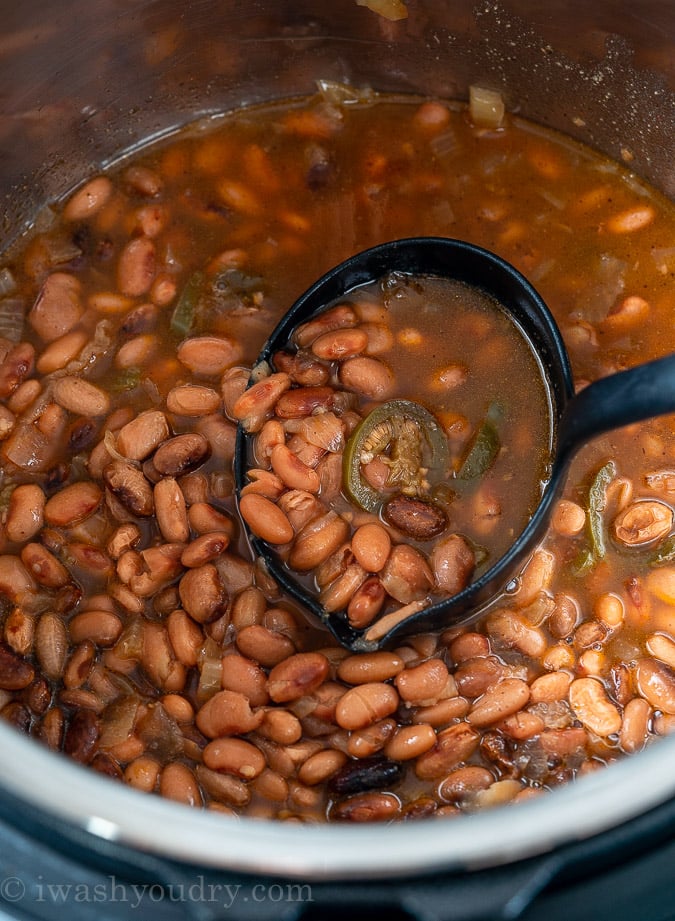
(354, 474)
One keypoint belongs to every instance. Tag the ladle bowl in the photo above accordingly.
(620, 399)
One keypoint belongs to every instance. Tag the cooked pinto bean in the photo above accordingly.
(181, 454)
(366, 704)
(296, 676)
(203, 594)
(72, 504)
(142, 435)
(227, 713)
(130, 487)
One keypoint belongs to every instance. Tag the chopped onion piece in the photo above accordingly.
(486, 107)
(12, 310)
(389, 9)
(7, 282)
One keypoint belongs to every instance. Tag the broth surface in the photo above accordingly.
(137, 632)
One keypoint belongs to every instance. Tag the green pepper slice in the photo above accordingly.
(484, 447)
(410, 441)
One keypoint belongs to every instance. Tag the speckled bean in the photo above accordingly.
(366, 704)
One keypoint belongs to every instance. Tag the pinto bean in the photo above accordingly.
(340, 344)
(363, 743)
(203, 594)
(264, 646)
(171, 510)
(130, 488)
(410, 742)
(101, 627)
(371, 545)
(81, 737)
(370, 377)
(366, 704)
(58, 306)
(304, 401)
(406, 575)
(655, 681)
(452, 561)
(193, 400)
(462, 784)
(72, 504)
(181, 454)
(370, 667)
(366, 603)
(265, 519)
(514, 631)
(16, 367)
(424, 684)
(234, 756)
(453, 745)
(25, 512)
(338, 595)
(296, 676)
(178, 783)
(44, 567)
(138, 438)
(292, 471)
(367, 807)
(80, 396)
(317, 541)
(15, 672)
(136, 267)
(499, 701)
(592, 706)
(417, 518)
(227, 713)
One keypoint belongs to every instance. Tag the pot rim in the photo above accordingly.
(77, 795)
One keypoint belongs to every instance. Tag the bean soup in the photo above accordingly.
(140, 635)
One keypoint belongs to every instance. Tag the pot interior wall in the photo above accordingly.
(83, 82)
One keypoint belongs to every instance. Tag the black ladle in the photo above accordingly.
(621, 399)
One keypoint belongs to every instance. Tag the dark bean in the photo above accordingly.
(81, 739)
(15, 672)
(182, 454)
(366, 774)
(81, 435)
(17, 715)
(129, 487)
(495, 748)
(417, 518)
(141, 320)
(104, 764)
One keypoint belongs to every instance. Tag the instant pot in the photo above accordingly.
(83, 81)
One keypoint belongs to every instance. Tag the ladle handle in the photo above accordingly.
(620, 399)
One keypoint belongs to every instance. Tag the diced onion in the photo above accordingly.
(389, 9)
(486, 107)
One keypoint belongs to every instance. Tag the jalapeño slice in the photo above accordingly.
(410, 441)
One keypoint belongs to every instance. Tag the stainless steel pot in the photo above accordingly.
(83, 81)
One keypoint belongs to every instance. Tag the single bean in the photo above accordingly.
(317, 541)
(44, 566)
(205, 548)
(223, 787)
(296, 676)
(25, 512)
(227, 713)
(58, 307)
(254, 404)
(406, 575)
(370, 377)
(366, 603)
(340, 593)
(292, 471)
(410, 742)
(424, 684)
(81, 737)
(142, 773)
(72, 504)
(245, 677)
(178, 783)
(78, 665)
(16, 367)
(234, 756)
(204, 518)
(453, 745)
(340, 344)
(634, 732)
(367, 807)
(514, 631)
(443, 713)
(80, 396)
(281, 726)
(101, 627)
(363, 743)
(371, 545)
(203, 594)
(171, 511)
(464, 783)
(366, 704)
(370, 667)
(15, 672)
(266, 519)
(181, 454)
(136, 267)
(655, 681)
(138, 438)
(130, 487)
(304, 401)
(88, 200)
(551, 687)
(592, 706)
(452, 561)
(341, 316)
(51, 645)
(321, 767)
(186, 637)
(193, 400)
(499, 701)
